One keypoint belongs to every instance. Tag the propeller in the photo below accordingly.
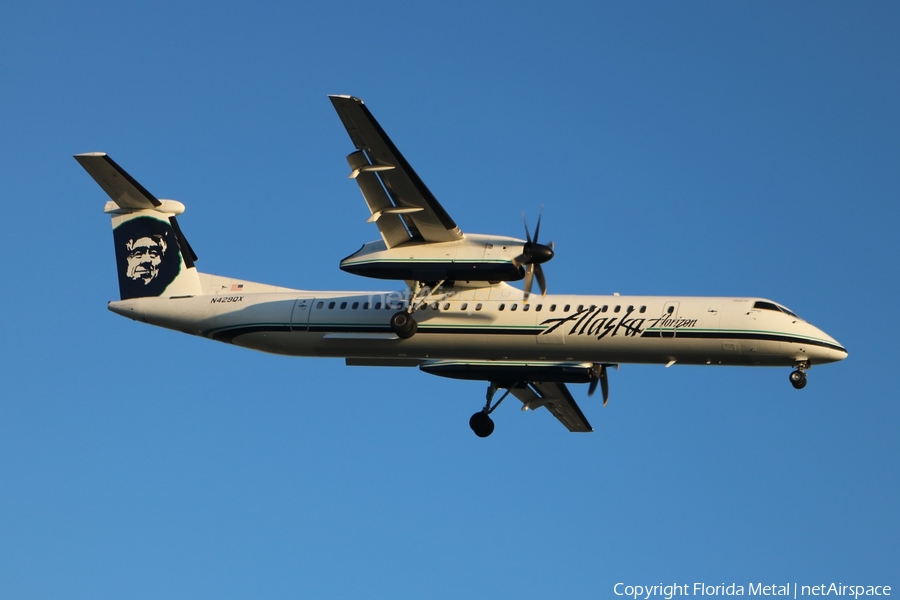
(533, 256)
(598, 375)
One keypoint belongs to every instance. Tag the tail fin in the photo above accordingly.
(153, 258)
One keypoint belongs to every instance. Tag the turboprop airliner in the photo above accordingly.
(456, 314)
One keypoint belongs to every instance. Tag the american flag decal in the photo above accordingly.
(236, 287)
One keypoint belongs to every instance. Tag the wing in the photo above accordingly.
(409, 211)
(557, 399)
(535, 384)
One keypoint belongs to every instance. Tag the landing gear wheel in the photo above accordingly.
(481, 424)
(798, 379)
(403, 324)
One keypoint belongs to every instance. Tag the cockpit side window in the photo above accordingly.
(765, 306)
(786, 311)
(762, 305)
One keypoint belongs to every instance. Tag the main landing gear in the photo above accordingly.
(481, 422)
(798, 376)
(402, 322)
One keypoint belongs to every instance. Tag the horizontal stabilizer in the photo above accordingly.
(123, 189)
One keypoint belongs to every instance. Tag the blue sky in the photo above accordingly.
(677, 148)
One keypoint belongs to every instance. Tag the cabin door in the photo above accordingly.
(668, 320)
(300, 314)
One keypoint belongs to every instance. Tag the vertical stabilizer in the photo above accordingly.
(153, 257)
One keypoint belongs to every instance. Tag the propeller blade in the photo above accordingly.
(532, 256)
(604, 384)
(599, 377)
(539, 274)
(529, 276)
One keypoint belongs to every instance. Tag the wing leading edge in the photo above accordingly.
(408, 202)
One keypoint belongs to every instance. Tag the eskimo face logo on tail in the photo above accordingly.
(144, 257)
(147, 255)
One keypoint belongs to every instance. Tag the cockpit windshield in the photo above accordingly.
(763, 305)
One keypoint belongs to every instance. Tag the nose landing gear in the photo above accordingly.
(798, 376)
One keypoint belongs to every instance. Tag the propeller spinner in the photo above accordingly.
(533, 256)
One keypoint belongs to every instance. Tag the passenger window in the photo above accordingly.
(446, 306)
(377, 306)
(552, 308)
(434, 306)
(538, 307)
(643, 309)
(331, 305)
(567, 307)
(525, 307)
(343, 305)
(630, 308)
(580, 307)
(604, 308)
(355, 305)
(478, 306)
(513, 307)
(670, 310)
(463, 306)
(365, 306)
(501, 307)
(320, 304)
(617, 308)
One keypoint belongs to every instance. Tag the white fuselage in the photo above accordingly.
(494, 323)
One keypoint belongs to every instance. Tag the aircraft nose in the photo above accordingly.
(832, 350)
(842, 353)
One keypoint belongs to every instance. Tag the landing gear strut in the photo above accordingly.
(798, 376)
(403, 323)
(481, 422)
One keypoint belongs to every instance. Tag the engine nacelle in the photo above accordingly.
(474, 258)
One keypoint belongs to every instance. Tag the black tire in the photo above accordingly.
(481, 424)
(798, 379)
(403, 324)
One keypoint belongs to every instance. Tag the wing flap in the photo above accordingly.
(391, 226)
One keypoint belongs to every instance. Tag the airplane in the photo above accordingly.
(457, 314)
